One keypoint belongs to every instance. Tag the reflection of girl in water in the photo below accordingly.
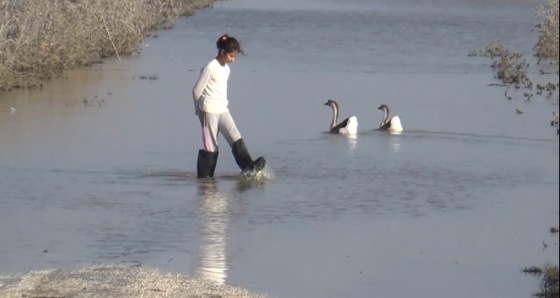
(211, 263)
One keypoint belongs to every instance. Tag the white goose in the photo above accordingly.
(348, 127)
(392, 124)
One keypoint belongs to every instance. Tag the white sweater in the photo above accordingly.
(210, 91)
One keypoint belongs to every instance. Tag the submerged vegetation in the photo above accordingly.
(548, 274)
(549, 277)
(511, 67)
(41, 39)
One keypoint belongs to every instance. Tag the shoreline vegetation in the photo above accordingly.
(549, 279)
(39, 40)
(511, 67)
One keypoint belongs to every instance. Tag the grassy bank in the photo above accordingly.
(41, 39)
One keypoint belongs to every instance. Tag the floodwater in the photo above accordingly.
(99, 166)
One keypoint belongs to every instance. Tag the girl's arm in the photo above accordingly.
(199, 87)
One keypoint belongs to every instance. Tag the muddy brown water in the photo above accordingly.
(98, 167)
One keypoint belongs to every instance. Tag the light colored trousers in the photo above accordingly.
(212, 124)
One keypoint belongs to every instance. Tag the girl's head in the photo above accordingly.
(228, 48)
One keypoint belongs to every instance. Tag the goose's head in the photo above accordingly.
(331, 103)
(383, 107)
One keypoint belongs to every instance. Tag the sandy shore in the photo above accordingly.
(114, 281)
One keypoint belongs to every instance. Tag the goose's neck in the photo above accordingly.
(334, 115)
(385, 115)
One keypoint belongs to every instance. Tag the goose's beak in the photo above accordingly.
(326, 103)
(380, 108)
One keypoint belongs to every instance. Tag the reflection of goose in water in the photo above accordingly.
(348, 126)
(352, 141)
(211, 263)
(395, 143)
(392, 124)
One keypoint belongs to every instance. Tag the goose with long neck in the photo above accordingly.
(391, 124)
(348, 126)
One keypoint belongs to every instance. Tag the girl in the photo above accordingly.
(211, 106)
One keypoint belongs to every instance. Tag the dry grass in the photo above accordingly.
(550, 282)
(546, 47)
(511, 67)
(40, 39)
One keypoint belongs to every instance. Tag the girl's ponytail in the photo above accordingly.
(221, 41)
(228, 44)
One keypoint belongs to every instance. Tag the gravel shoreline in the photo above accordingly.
(114, 281)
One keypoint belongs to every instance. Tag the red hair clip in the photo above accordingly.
(224, 37)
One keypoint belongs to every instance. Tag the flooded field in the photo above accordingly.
(99, 166)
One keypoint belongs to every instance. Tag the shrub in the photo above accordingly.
(546, 47)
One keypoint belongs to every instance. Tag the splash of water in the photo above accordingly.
(267, 173)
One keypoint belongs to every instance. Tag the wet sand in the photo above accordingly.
(114, 281)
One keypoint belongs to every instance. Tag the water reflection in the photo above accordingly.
(243, 185)
(352, 142)
(211, 263)
(216, 214)
(395, 142)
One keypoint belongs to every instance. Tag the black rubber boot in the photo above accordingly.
(206, 163)
(243, 158)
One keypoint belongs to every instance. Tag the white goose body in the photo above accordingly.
(391, 124)
(348, 126)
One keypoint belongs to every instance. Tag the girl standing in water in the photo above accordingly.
(211, 107)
